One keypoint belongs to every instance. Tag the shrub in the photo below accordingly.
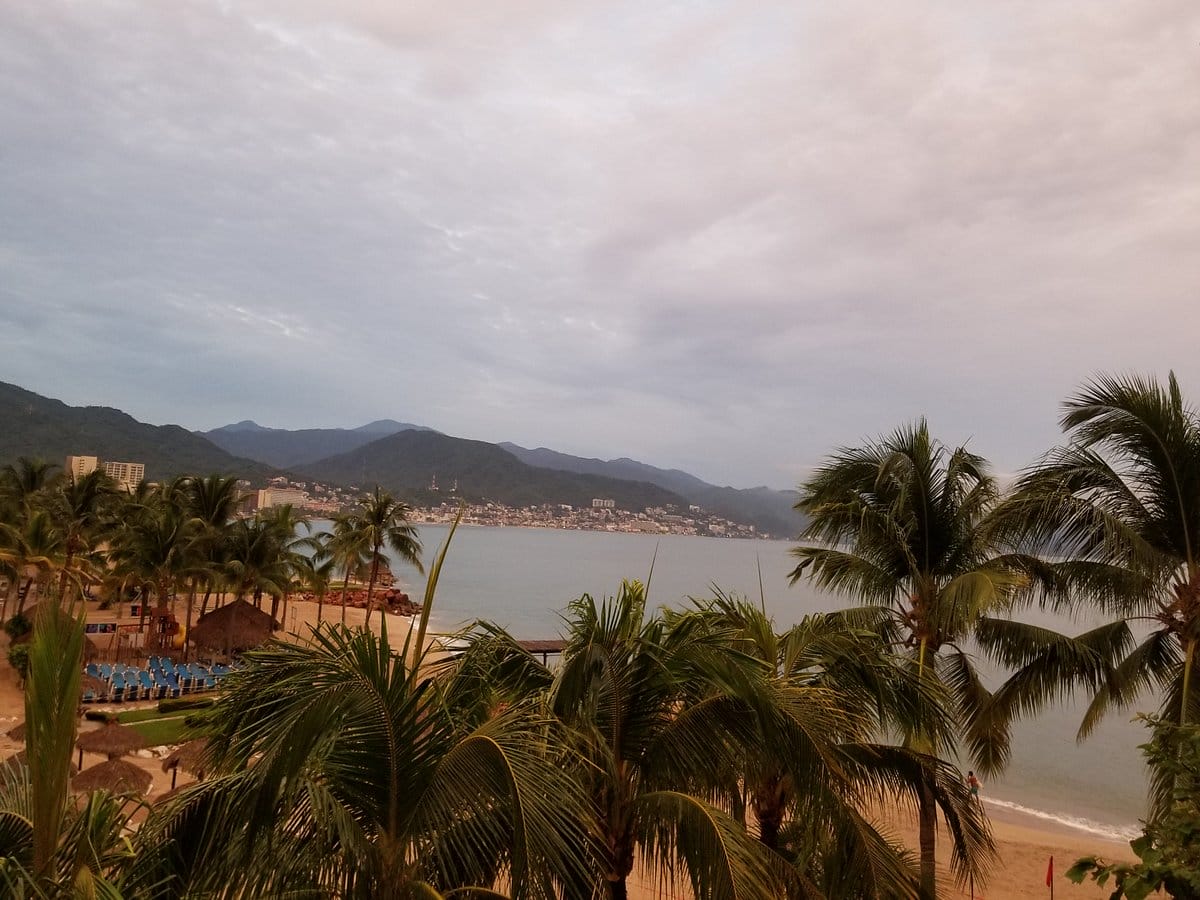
(18, 626)
(18, 658)
(173, 703)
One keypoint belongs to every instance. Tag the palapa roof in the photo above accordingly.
(233, 627)
(17, 732)
(90, 650)
(112, 740)
(117, 775)
(20, 758)
(192, 757)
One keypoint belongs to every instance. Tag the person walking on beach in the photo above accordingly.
(973, 784)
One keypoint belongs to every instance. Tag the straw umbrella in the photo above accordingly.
(232, 628)
(192, 757)
(113, 740)
(21, 758)
(16, 733)
(117, 775)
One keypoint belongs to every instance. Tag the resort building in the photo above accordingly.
(600, 503)
(274, 496)
(126, 474)
(78, 466)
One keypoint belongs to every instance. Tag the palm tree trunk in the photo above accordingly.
(23, 596)
(927, 819)
(1189, 658)
(371, 586)
(320, 605)
(204, 602)
(187, 628)
(345, 588)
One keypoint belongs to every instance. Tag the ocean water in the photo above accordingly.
(523, 578)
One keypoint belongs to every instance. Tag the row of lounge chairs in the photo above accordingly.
(162, 678)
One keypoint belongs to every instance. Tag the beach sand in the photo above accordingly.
(1025, 844)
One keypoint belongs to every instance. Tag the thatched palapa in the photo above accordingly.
(112, 740)
(192, 757)
(232, 628)
(16, 733)
(117, 775)
(21, 758)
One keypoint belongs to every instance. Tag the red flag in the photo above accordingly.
(1050, 873)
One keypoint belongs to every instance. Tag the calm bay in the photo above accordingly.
(523, 579)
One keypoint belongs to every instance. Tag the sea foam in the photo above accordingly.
(1100, 829)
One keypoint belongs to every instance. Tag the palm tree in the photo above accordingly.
(368, 780)
(622, 689)
(32, 552)
(383, 522)
(904, 525)
(315, 573)
(1119, 508)
(212, 502)
(80, 506)
(804, 726)
(48, 845)
(347, 548)
(156, 547)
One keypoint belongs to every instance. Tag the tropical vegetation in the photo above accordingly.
(698, 747)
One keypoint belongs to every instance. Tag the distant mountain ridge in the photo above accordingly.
(408, 461)
(38, 427)
(398, 455)
(768, 510)
(286, 449)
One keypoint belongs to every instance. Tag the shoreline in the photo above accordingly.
(1025, 838)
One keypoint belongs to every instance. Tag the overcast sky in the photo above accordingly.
(719, 236)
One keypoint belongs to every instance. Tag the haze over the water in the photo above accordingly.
(719, 236)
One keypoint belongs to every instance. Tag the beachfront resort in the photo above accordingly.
(691, 750)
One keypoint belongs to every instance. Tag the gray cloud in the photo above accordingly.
(725, 237)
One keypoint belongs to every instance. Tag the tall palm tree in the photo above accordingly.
(347, 547)
(315, 571)
(1119, 508)
(81, 506)
(383, 523)
(632, 694)
(804, 730)
(213, 502)
(32, 552)
(903, 524)
(157, 548)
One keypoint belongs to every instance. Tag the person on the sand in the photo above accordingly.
(973, 784)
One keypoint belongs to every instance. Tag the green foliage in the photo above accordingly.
(172, 704)
(18, 658)
(17, 627)
(1168, 849)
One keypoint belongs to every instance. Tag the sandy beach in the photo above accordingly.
(1025, 844)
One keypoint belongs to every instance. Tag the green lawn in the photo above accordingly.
(163, 730)
(145, 715)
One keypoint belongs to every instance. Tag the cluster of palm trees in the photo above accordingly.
(62, 536)
(700, 747)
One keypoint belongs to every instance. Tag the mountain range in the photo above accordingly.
(401, 456)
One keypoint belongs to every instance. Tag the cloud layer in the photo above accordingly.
(719, 236)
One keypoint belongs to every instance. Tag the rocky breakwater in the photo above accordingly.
(393, 600)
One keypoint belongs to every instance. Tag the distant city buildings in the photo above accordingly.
(603, 503)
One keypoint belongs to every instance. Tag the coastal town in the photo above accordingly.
(319, 499)
(602, 515)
